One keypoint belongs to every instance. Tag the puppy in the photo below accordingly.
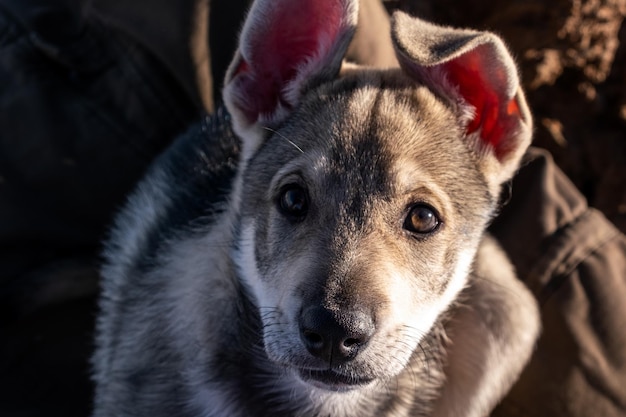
(329, 257)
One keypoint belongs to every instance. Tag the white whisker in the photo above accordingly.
(283, 137)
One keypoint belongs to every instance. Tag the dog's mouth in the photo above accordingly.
(333, 381)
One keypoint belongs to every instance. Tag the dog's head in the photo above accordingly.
(365, 192)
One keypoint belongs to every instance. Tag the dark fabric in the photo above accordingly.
(574, 261)
(165, 28)
(227, 17)
(83, 110)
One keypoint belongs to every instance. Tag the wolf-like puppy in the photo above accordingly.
(330, 257)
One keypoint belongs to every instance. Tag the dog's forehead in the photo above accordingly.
(368, 134)
(372, 124)
(383, 114)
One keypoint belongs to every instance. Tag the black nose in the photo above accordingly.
(335, 337)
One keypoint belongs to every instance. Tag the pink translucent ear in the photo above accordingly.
(475, 70)
(285, 46)
(497, 111)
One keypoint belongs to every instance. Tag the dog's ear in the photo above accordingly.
(474, 70)
(285, 47)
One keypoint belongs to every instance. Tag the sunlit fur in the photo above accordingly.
(207, 278)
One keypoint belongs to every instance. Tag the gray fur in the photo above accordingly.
(207, 281)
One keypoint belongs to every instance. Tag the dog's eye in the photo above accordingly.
(293, 201)
(422, 219)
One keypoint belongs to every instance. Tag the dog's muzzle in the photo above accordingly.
(331, 380)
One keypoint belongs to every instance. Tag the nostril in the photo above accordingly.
(348, 343)
(313, 339)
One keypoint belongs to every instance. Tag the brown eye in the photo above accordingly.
(293, 202)
(421, 219)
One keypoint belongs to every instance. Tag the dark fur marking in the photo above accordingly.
(201, 166)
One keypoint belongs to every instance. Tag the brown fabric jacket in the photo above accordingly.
(574, 261)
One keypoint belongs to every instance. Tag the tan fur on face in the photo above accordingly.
(371, 262)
